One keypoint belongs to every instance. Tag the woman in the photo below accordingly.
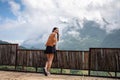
(51, 49)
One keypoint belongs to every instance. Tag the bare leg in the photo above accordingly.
(46, 65)
(50, 60)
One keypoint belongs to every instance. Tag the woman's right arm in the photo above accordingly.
(54, 39)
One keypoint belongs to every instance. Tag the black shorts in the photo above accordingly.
(50, 50)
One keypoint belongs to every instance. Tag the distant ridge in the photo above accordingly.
(5, 42)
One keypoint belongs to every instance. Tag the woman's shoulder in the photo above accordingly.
(53, 33)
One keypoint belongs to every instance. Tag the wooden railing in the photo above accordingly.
(104, 59)
(63, 59)
(96, 59)
(8, 54)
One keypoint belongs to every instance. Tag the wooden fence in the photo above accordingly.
(8, 54)
(63, 59)
(104, 59)
(96, 59)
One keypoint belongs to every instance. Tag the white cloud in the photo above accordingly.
(74, 34)
(40, 16)
(9, 24)
(15, 7)
(111, 13)
(15, 41)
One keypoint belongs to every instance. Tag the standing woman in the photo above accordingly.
(51, 49)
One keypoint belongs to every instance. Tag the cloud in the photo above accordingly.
(15, 7)
(111, 12)
(40, 16)
(15, 41)
(74, 34)
(50, 12)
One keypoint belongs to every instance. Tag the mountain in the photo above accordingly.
(4, 42)
(112, 40)
(34, 43)
(82, 38)
(22, 47)
(80, 35)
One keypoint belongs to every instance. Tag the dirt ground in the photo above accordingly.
(4, 75)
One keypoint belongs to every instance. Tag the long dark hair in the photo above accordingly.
(57, 33)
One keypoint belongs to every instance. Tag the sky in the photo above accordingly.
(21, 20)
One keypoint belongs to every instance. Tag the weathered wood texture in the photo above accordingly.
(99, 59)
(63, 59)
(105, 59)
(8, 54)
(71, 59)
(32, 58)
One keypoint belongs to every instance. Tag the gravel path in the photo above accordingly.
(4, 75)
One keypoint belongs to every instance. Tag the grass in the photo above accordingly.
(118, 74)
(3, 67)
(63, 71)
(101, 73)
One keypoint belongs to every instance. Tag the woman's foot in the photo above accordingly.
(45, 72)
(48, 73)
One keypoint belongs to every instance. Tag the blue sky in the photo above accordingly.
(5, 11)
(25, 19)
(6, 16)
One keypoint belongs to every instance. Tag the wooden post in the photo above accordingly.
(116, 62)
(61, 71)
(16, 57)
(89, 62)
